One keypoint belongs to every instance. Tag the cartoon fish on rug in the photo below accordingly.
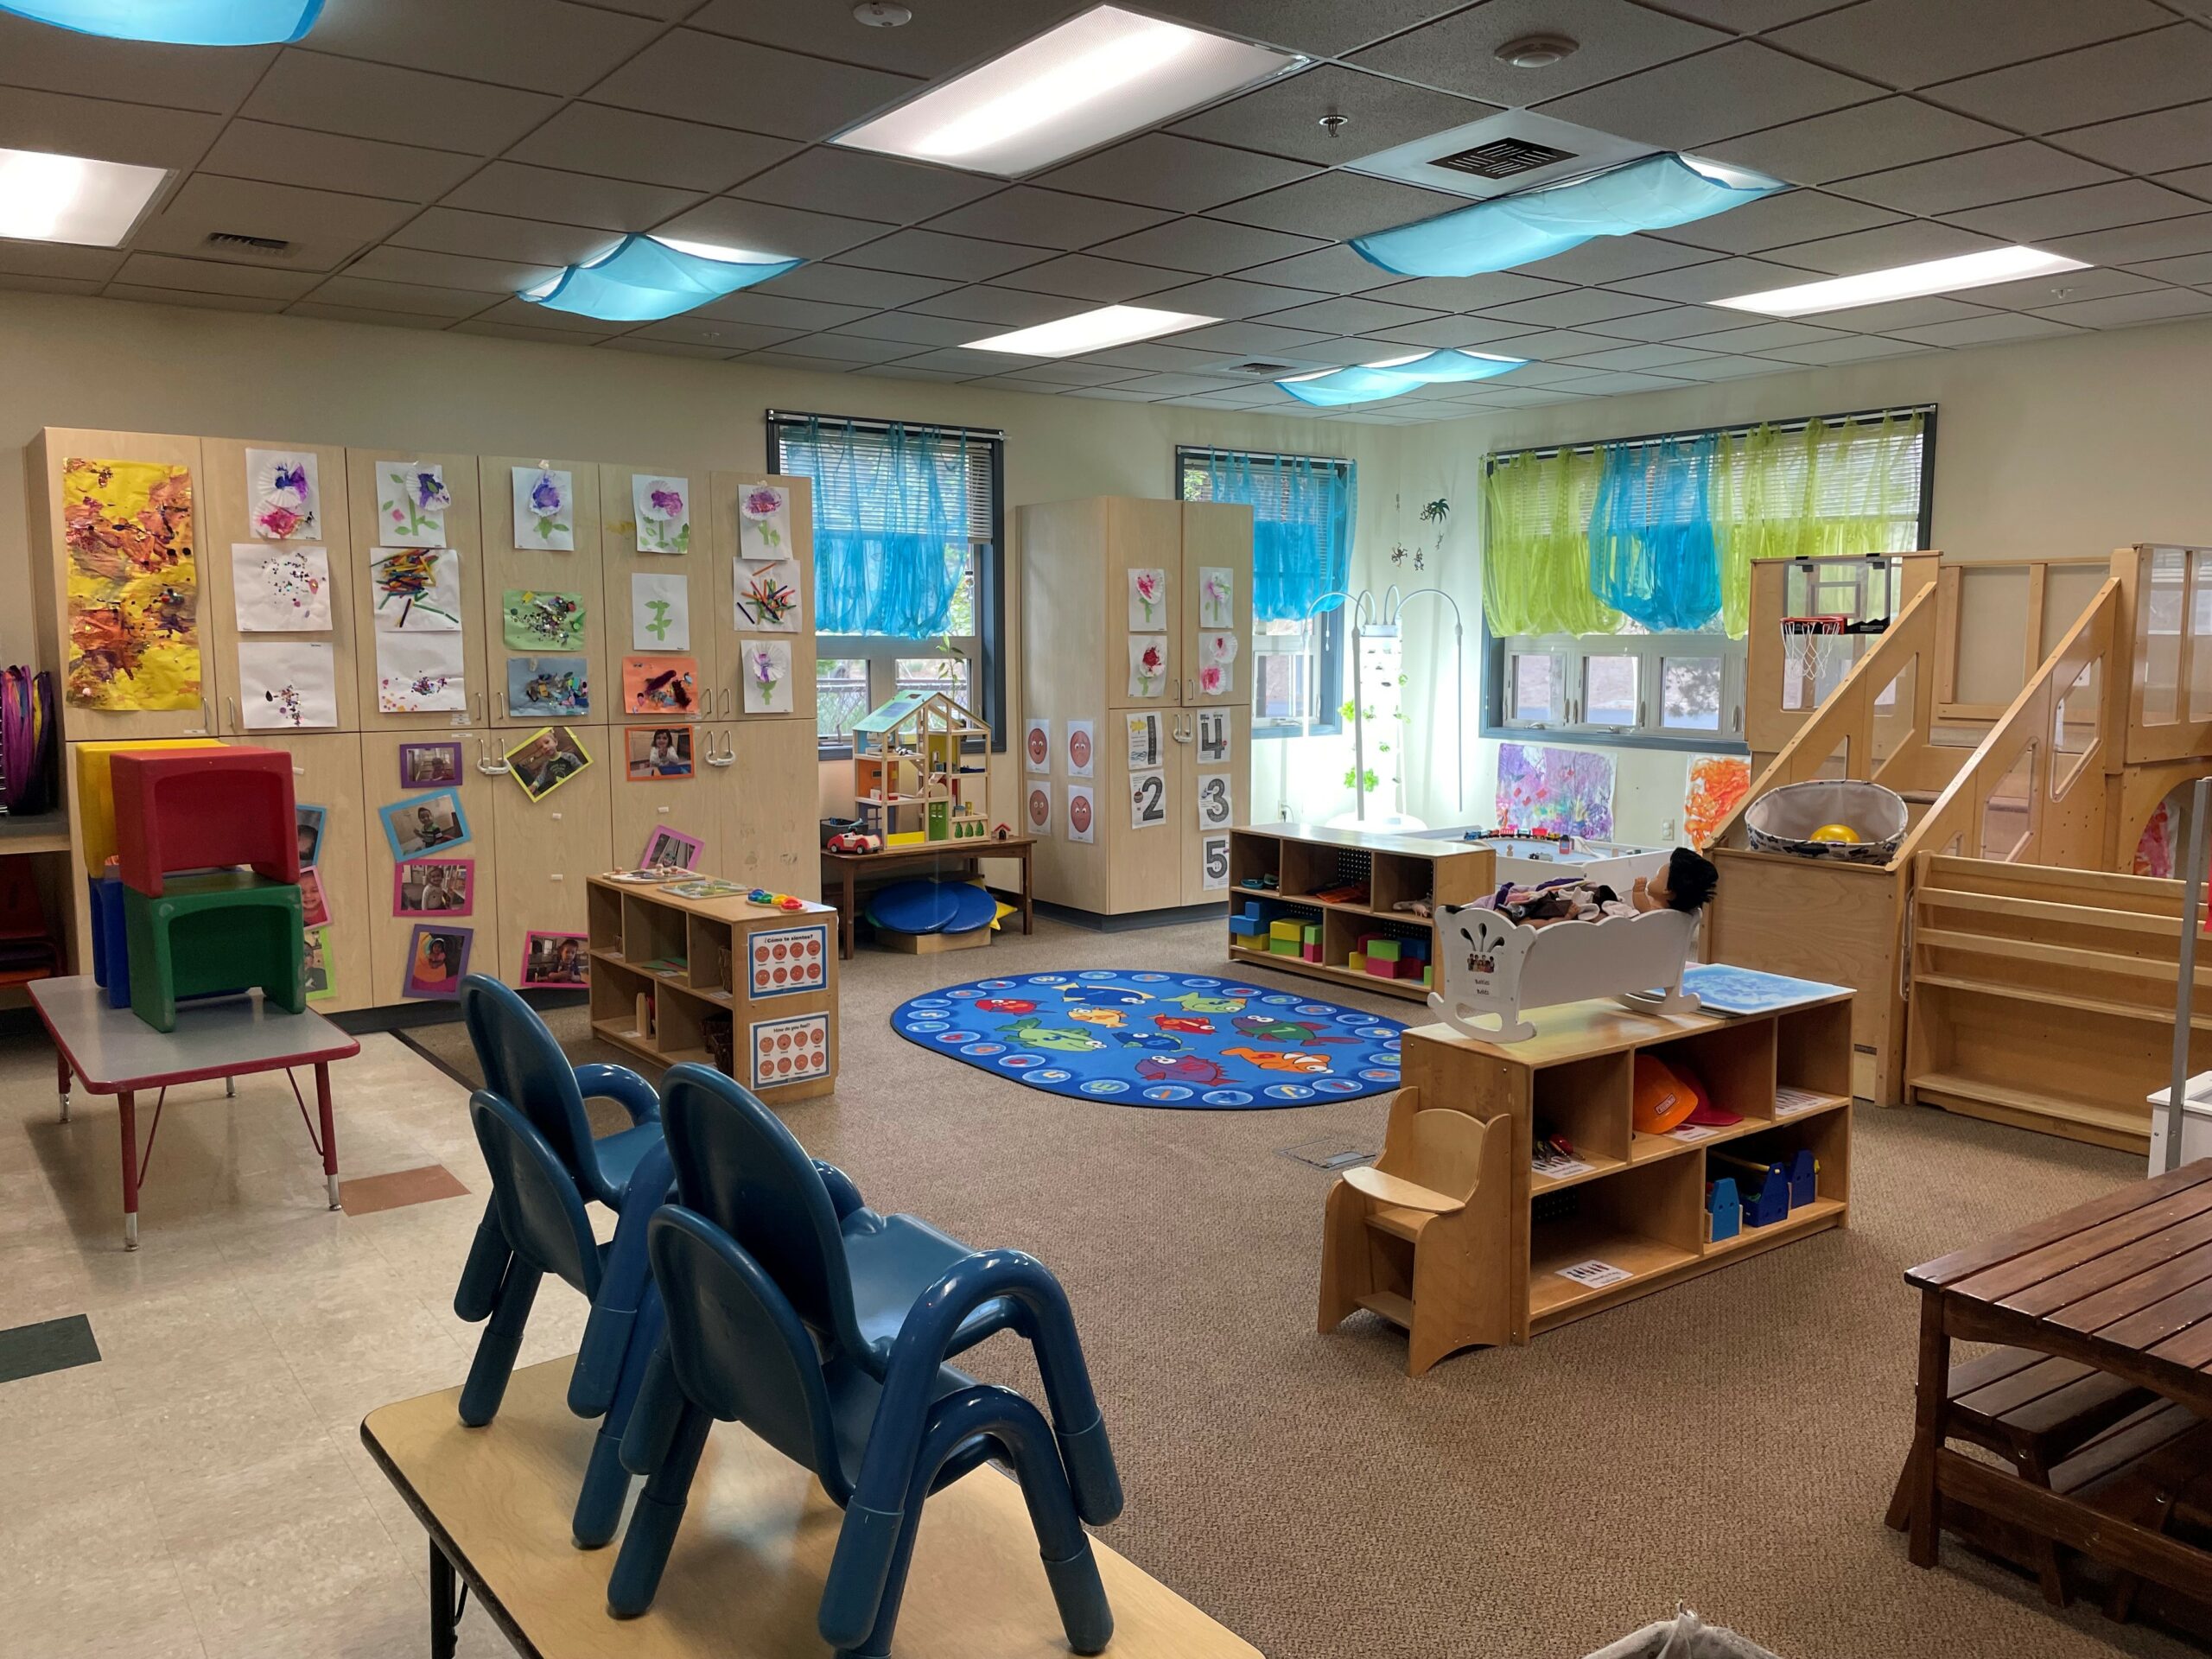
(1107, 996)
(1183, 1022)
(1268, 1059)
(1028, 1032)
(1135, 1040)
(1300, 1033)
(1183, 1068)
(1006, 1005)
(1107, 1017)
(1198, 1002)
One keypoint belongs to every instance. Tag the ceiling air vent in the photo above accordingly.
(233, 241)
(1502, 158)
(1259, 365)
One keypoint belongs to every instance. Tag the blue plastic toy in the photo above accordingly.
(1723, 1212)
(1804, 1177)
(1764, 1188)
(823, 1327)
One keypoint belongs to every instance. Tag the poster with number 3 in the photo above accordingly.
(1216, 802)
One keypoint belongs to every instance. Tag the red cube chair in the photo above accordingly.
(203, 809)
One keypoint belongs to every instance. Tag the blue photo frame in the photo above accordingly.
(421, 824)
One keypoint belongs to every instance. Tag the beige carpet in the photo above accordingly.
(1730, 1443)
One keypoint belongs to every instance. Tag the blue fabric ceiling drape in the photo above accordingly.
(891, 526)
(1652, 553)
(1301, 526)
(645, 280)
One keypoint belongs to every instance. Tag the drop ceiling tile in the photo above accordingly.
(1085, 276)
(1740, 88)
(199, 301)
(1325, 271)
(1158, 169)
(1111, 394)
(16, 282)
(431, 270)
(1231, 297)
(572, 198)
(1907, 243)
(1504, 396)
(1204, 244)
(2094, 285)
(1323, 28)
(664, 10)
(1730, 368)
(954, 360)
(542, 45)
(768, 311)
(1459, 53)
(1894, 316)
(1895, 132)
(697, 77)
(1761, 336)
(59, 261)
(1248, 338)
(1673, 323)
(524, 314)
(2099, 83)
(1850, 348)
(1282, 118)
(1636, 358)
(170, 77)
(1723, 279)
(1536, 374)
(1174, 386)
(931, 253)
(651, 149)
(2148, 144)
(2195, 181)
(997, 309)
(1340, 206)
(490, 236)
(1051, 218)
(1449, 333)
(2097, 208)
(2154, 306)
(949, 38)
(1349, 315)
(103, 130)
(909, 326)
(1481, 293)
(720, 335)
(323, 227)
(664, 349)
(209, 276)
(863, 186)
(329, 312)
(1572, 309)
(496, 329)
(1910, 43)
(1977, 179)
(1243, 397)
(1775, 221)
(1552, 344)
(449, 304)
(1151, 357)
(1337, 353)
(766, 228)
(796, 364)
(1753, 16)
(324, 161)
(1068, 374)
(1621, 383)
(852, 348)
(2191, 271)
(1606, 259)
(902, 371)
(2135, 244)
(844, 285)
(1007, 382)
(402, 106)
(1985, 330)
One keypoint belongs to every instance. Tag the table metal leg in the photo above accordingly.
(1928, 1404)
(1028, 900)
(449, 1599)
(127, 1106)
(848, 922)
(230, 1088)
(61, 1072)
(329, 1130)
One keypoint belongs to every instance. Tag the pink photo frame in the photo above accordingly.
(556, 961)
(417, 882)
(672, 847)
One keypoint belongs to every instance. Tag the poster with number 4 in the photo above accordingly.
(1216, 802)
(1213, 737)
(1148, 799)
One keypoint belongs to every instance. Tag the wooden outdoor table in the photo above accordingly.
(113, 1051)
(841, 870)
(745, 1577)
(2122, 1284)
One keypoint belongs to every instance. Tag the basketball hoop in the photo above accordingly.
(1816, 653)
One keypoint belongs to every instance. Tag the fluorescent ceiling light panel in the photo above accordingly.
(1905, 283)
(1091, 331)
(646, 278)
(1394, 376)
(1096, 77)
(177, 22)
(47, 197)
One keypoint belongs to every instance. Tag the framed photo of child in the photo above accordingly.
(658, 752)
(425, 765)
(547, 759)
(310, 820)
(670, 849)
(437, 957)
(420, 822)
(556, 961)
(434, 886)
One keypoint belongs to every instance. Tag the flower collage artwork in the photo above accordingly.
(662, 507)
(1147, 664)
(545, 509)
(133, 585)
(660, 612)
(411, 502)
(283, 495)
(1217, 659)
(767, 665)
(764, 523)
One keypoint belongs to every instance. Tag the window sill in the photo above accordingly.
(1685, 743)
(1265, 734)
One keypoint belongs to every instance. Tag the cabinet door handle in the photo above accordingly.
(207, 717)
(500, 703)
(479, 708)
(232, 703)
(714, 758)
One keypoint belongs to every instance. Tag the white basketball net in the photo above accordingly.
(1816, 653)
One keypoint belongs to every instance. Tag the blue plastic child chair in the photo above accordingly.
(864, 1310)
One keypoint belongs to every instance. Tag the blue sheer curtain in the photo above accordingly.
(1301, 526)
(890, 527)
(1653, 556)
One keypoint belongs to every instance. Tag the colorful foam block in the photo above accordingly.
(213, 931)
(199, 809)
(1247, 926)
(1356, 962)
(1312, 952)
(1290, 928)
(1286, 947)
(96, 792)
(1384, 949)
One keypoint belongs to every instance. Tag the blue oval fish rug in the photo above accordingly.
(1184, 1040)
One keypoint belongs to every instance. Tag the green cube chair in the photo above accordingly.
(214, 932)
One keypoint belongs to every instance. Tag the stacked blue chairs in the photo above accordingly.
(791, 1307)
(531, 1121)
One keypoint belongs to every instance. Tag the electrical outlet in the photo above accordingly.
(1667, 829)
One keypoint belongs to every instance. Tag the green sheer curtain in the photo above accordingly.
(1832, 488)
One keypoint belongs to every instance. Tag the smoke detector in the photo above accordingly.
(880, 14)
(1536, 51)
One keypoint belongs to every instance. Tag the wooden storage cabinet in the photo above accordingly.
(480, 626)
(719, 598)
(326, 773)
(620, 560)
(549, 850)
(508, 567)
(388, 934)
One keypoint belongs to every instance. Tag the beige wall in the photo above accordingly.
(2049, 448)
(67, 361)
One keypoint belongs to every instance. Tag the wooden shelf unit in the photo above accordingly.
(1306, 858)
(1640, 1206)
(719, 959)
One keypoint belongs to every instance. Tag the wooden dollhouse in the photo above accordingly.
(912, 753)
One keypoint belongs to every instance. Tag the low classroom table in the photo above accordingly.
(745, 1577)
(113, 1051)
(839, 871)
(2123, 1285)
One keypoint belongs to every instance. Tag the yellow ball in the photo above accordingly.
(1834, 832)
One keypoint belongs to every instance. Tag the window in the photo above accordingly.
(1302, 512)
(909, 584)
(1617, 576)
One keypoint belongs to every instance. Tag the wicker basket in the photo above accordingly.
(1783, 820)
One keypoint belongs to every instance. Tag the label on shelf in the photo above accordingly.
(1595, 1275)
(1788, 1101)
(1564, 1167)
(1690, 1135)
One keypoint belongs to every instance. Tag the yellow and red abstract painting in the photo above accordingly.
(134, 585)
(1716, 782)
